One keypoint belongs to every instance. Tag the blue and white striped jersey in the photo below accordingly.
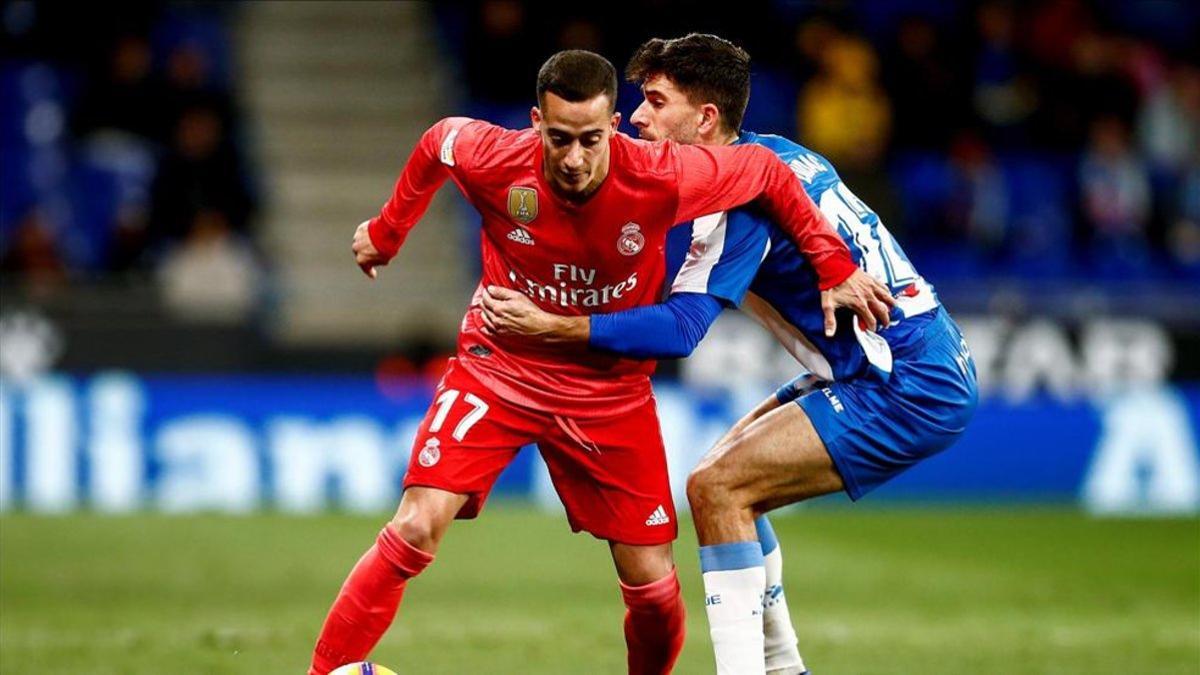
(742, 258)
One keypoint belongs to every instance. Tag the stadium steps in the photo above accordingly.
(337, 93)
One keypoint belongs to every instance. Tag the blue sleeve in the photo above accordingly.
(670, 330)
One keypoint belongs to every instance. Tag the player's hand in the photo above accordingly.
(508, 312)
(861, 294)
(365, 254)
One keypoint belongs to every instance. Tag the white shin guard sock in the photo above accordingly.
(780, 643)
(734, 579)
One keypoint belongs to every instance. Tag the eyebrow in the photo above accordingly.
(585, 132)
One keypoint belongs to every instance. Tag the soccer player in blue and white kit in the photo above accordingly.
(870, 405)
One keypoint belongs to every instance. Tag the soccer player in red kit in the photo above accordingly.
(575, 216)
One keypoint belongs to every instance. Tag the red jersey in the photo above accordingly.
(605, 254)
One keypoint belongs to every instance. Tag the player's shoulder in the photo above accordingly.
(808, 164)
(482, 144)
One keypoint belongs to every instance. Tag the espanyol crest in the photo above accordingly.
(631, 240)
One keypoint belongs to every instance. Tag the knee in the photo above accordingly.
(417, 528)
(708, 488)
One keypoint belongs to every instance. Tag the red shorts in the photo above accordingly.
(609, 472)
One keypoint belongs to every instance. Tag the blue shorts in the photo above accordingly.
(875, 429)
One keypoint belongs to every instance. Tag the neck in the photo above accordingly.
(719, 138)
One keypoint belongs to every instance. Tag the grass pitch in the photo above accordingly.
(871, 591)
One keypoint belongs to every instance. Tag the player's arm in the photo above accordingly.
(715, 258)
(716, 178)
(377, 240)
(669, 330)
(719, 178)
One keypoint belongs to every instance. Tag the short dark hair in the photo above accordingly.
(578, 75)
(706, 68)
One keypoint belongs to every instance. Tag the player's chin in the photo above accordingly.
(573, 183)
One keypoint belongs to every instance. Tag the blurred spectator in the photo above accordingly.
(1099, 86)
(1053, 27)
(978, 206)
(202, 173)
(843, 111)
(1115, 193)
(189, 84)
(1004, 96)
(1169, 122)
(34, 254)
(1183, 235)
(125, 96)
(212, 275)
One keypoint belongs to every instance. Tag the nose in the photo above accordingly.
(639, 116)
(574, 157)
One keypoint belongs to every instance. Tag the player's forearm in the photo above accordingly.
(567, 329)
(423, 174)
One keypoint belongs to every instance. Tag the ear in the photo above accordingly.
(535, 118)
(616, 121)
(710, 119)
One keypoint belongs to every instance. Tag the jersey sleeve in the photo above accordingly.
(723, 255)
(669, 330)
(450, 145)
(718, 178)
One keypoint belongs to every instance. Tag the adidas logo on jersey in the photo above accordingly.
(520, 236)
(659, 517)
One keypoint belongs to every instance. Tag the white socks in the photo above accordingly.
(747, 611)
(734, 579)
(780, 643)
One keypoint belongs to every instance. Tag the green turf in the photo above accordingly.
(871, 591)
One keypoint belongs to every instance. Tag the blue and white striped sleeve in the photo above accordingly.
(722, 256)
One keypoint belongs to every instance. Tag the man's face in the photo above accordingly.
(575, 142)
(666, 113)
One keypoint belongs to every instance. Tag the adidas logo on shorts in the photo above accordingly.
(659, 517)
(520, 236)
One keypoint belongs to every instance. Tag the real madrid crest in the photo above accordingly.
(631, 240)
(522, 204)
(430, 454)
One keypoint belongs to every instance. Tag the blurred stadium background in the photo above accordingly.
(182, 328)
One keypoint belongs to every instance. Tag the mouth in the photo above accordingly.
(573, 178)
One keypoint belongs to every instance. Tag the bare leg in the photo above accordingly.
(773, 456)
(774, 460)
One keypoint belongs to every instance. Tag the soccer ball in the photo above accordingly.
(361, 668)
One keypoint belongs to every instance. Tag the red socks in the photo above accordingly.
(654, 625)
(367, 603)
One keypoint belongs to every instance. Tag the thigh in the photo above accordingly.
(611, 475)
(775, 460)
(467, 438)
